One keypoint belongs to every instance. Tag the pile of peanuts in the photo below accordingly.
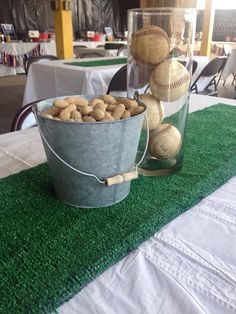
(79, 109)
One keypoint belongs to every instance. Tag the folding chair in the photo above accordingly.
(30, 60)
(211, 70)
(76, 50)
(91, 55)
(119, 81)
(122, 51)
(23, 119)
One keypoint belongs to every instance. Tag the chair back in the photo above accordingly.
(23, 119)
(119, 81)
(123, 51)
(211, 70)
(91, 55)
(113, 46)
(30, 60)
(213, 67)
(76, 50)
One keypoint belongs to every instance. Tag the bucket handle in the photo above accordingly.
(117, 179)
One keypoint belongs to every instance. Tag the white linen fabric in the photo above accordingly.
(55, 78)
(105, 53)
(189, 266)
(19, 49)
(20, 150)
(95, 44)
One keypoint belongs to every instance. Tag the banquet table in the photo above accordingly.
(95, 44)
(13, 53)
(105, 52)
(189, 266)
(50, 79)
(230, 66)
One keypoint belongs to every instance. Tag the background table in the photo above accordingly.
(187, 267)
(55, 78)
(12, 55)
(105, 52)
(95, 44)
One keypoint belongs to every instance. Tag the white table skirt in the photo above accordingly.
(21, 48)
(104, 52)
(94, 44)
(54, 78)
(187, 267)
(230, 66)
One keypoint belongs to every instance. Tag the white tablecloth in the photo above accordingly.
(94, 44)
(55, 78)
(187, 267)
(230, 66)
(105, 52)
(19, 49)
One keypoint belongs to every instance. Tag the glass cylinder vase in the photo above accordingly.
(160, 57)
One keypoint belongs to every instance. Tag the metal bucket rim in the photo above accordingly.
(35, 107)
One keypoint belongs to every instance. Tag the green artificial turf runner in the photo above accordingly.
(95, 63)
(49, 250)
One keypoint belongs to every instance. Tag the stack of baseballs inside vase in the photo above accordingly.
(169, 81)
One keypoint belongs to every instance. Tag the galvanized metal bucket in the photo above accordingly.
(98, 150)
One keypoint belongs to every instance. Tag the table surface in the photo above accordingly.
(55, 78)
(189, 266)
(94, 44)
(18, 49)
(104, 52)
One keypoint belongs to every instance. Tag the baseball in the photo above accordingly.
(169, 80)
(150, 45)
(155, 110)
(165, 142)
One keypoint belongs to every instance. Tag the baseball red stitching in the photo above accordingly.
(152, 32)
(173, 85)
(149, 32)
(162, 131)
(159, 108)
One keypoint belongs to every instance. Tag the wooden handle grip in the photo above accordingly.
(120, 178)
(128, 176)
